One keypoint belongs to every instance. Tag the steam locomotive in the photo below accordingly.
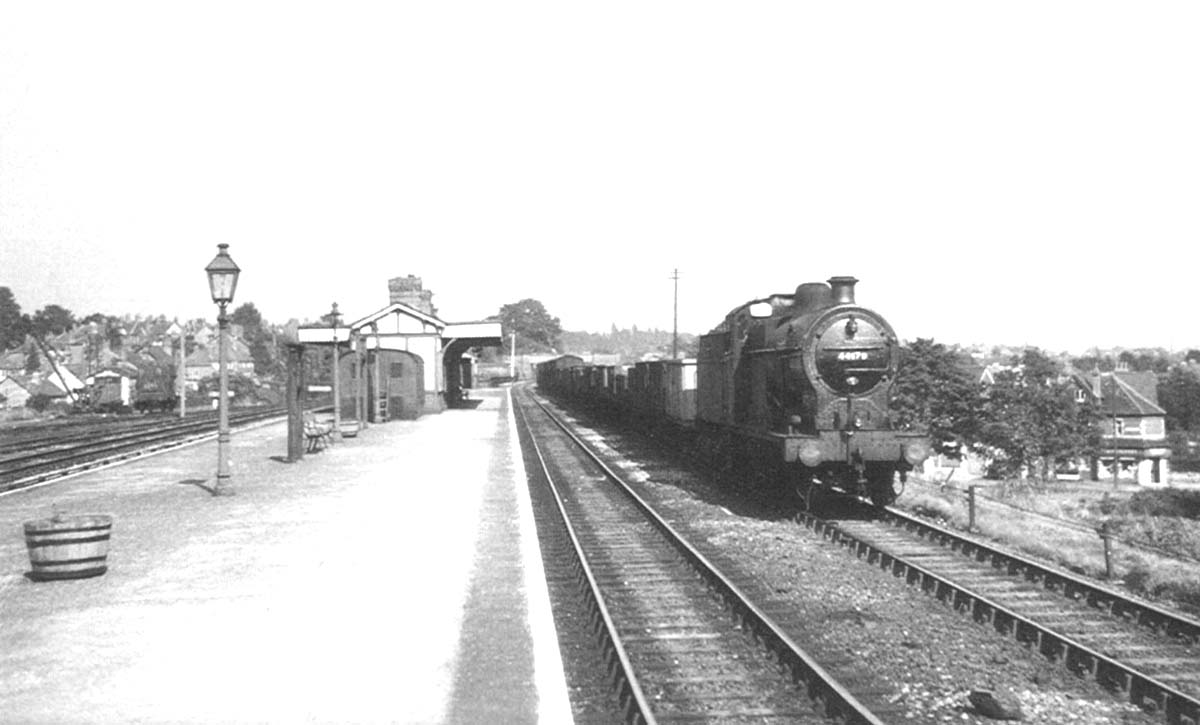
(790, 392)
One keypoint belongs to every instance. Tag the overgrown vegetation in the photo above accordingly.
(1012, 514)
(1028, 419)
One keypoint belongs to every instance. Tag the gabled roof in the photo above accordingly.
(13, 361)
(1124, 393)
(397, 307)
(20, 381)
(322, 334)
(49, 389)
(239, 352)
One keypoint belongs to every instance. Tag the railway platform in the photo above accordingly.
(392, 577)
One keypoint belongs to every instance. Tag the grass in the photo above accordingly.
(1014, 514)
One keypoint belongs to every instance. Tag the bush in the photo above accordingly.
(933, 507)
(1165, 502)
(39, 402)
(1179, 583)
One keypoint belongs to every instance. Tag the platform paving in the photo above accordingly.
(393, 577)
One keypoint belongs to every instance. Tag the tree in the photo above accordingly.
(258, 337)
(1179, 395)
(52, 320)
(935, 390)
(247, 315)
(103, 328)
(1032, 419)
(536, 330)
(1094, 361)
(1145, 360)
(13, 324)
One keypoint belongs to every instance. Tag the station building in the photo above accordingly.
(402, 361)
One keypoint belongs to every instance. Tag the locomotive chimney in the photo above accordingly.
(843, 290)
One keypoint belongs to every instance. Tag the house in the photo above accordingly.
(204, 362)
(152, 331)
(13, 361)
(15, 390)
(1133, 425)
(49, 387)
(62, 378)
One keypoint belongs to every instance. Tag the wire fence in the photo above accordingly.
(1041, 530)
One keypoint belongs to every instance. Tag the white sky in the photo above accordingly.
(1018, 172)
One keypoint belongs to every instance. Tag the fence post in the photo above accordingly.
(1107, 537)
(971, 508)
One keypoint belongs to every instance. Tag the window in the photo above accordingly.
(1119, 426)
(1153, 428)
(396, 370)
(1079, 396)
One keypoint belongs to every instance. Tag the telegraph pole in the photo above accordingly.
(512, 356)
(675, 322)
(1116, 443)
(181, 371)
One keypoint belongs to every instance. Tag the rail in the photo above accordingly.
(40, 466)
(836, 701)
(1179, 708)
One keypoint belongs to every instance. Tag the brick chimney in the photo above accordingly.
(408, 290)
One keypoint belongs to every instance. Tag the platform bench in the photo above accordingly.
(317, 434)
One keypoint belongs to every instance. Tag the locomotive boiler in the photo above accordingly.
(796, 388)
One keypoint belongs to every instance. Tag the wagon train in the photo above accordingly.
(790, 393)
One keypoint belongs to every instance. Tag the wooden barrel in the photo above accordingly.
(68, 547)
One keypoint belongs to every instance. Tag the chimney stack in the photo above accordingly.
(409, 291)
(843, 290)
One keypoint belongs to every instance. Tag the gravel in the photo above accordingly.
(931, 656)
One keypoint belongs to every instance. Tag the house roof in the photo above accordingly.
(1125, 393)
(49, 389)
(158, 355)
(13, 361)
(19, 380)
(238, 352)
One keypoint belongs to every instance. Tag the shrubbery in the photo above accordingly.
(933, 507)
(1163, 502)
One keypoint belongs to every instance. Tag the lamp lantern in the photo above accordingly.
(222, 276)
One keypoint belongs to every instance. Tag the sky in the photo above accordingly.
(1022, 173)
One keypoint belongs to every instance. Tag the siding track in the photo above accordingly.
(67, 451)
(1148, 653)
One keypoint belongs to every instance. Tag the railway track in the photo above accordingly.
(1150, 654)
(30, 437)
(55, 456)
(680, 640)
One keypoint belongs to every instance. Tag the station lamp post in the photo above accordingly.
(333, 318)
(222, 282)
